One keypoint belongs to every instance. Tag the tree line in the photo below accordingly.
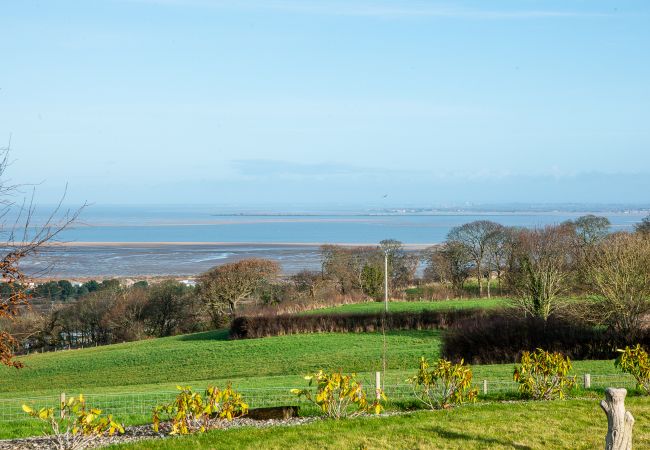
(540, 269)
(544, 270)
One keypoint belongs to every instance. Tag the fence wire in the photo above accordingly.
(140, 404)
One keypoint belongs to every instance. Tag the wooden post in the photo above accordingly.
(619, 421)
(587, 381)
(378, 385)
(484, 387)
(62, 405)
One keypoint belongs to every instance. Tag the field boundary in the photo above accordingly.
(125, 404)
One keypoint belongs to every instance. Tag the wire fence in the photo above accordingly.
(140, 404)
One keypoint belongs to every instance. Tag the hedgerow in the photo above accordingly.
(264, 326)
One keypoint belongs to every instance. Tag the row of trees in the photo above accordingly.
(541, 267)
(346, 272)
(486, 250)
(111, 315)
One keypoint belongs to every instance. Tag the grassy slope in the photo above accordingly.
(395, 306)
(572, 424)
(158, 365)
(210, 356)
(278, 361)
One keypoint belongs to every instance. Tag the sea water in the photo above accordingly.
(176, 240)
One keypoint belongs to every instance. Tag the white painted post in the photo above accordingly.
(378, 385)
(485, 390)
(62, 400)
(587, 381)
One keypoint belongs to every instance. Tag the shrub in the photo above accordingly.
(191, 412)
(543, 375)
(445, 385)
(635, 361)
(502, 337)
(77, 427)
(247, 327)
(337, 394)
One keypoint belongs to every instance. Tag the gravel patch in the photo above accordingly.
(140, 432)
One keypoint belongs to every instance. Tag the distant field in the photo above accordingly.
(572, 424)
(414, 306)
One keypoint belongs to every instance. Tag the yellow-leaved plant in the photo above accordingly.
(191, 412)
(635, 361)
(339, 395)
(443, 385)
(75, 426)
(544, 375)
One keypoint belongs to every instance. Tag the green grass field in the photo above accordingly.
(571, 424)
(148, 371)
(395, 306)
(210, 356)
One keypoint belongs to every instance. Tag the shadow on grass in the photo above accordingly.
(214, 335)
(503, 443)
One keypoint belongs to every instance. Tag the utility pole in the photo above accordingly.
(383, 319)
(386, 281)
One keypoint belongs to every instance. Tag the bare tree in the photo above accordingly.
(307, 281)
(475, 236)
(643, 227)
(619, 271)
(344, 265)
(224, 287)
(22, 238)
(590, 229)
(401, 265)
(168, 305)
(542, 267)
(449, 263)
(497, 251)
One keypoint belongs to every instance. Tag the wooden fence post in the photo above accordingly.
(619, 421)
(485, 390)
(62, 405)
(378, 385)
(587, 381)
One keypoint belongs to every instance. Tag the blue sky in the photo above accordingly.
(332, 102)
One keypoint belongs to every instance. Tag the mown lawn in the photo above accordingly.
(415, 306)
(570, 424)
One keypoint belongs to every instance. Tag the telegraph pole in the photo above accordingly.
(383, 319)
(386, 282)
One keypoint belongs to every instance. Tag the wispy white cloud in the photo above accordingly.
(379, 9)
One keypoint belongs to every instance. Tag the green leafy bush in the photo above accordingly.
(339, 395)
(444, 385)
(544, 375)
(191, 412)
(74, 426)
(635, 361)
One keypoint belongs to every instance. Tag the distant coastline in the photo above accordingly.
(224, 244)
(149, 242)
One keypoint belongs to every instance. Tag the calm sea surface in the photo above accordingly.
(168, 231)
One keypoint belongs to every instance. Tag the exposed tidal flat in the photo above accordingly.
(124, 242)
(112, 259)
